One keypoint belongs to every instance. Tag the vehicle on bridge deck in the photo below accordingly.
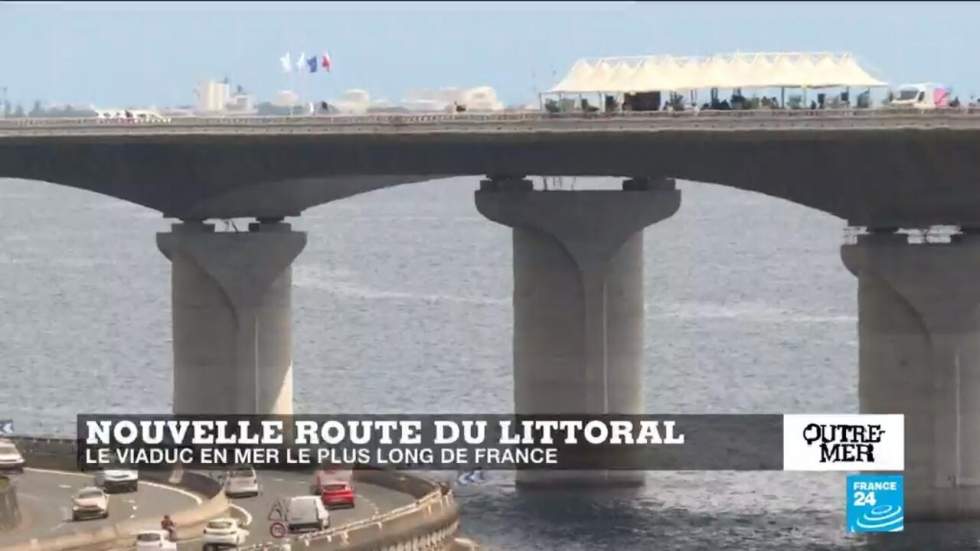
(337, 494)
(117, 480)
(223, 532)
(89, 502)
(242, 482)
(10, 457)
(323, 477)
(307, 513)
(923, 95)
(154, 540)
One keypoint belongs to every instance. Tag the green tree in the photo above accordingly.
(37, 110)
(19, 112)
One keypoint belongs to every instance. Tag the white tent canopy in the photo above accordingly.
(740, 70)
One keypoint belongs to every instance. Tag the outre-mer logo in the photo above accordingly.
(843, 442)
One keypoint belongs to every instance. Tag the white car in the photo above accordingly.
(154, 540)
(223, 532)
(242, 482)
(90, 502)
(112, 480)
(10, 458)
(307, 513)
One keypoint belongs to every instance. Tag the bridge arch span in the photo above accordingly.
(877, 170)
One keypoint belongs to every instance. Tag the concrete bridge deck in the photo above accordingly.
(875, 168)
(503, 122)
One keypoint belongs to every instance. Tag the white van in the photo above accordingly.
(923, 95)
(307, 513)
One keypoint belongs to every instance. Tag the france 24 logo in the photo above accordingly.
(875, 503)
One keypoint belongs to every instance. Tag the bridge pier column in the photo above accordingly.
(919, 340)
(578, 300)
(232, 339)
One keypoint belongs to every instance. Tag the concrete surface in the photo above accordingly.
(869, 168)
(9, 509)
(578, 301)
(232, 317)
(919, 350)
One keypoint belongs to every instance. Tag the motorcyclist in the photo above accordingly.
(170, 526)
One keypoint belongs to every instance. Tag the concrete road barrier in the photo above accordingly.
(430, 523)
(9, 510)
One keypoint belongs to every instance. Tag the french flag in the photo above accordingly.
(326, 61)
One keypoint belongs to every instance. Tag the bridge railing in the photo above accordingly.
(433, 516)
(400, 119)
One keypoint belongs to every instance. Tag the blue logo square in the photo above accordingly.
(875, 503)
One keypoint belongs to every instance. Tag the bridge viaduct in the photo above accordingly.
(578, 282)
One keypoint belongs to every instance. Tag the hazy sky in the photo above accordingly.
(112, 54)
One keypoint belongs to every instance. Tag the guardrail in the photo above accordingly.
(394, 120)
(431, 522)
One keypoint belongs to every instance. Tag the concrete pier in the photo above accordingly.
(232, 310)
(578, 299)
(919, 341)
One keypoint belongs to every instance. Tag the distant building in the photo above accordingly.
(240, 104)
(267, 109)
(212, 97)
(216, 98)
(481, 98)
(286, 98)
(353, 101)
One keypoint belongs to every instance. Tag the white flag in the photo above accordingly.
(301, 62)
(286, 65)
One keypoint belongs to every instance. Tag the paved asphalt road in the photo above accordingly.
(369, 500)
(45, 503)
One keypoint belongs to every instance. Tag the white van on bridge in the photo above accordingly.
(923, 95)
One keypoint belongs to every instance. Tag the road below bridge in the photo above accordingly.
(45, 501)
(45, 498)
(369, 500)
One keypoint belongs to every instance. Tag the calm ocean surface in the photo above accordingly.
(402, 304)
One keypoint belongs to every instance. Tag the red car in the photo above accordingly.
(337, 494)
(322, 477)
